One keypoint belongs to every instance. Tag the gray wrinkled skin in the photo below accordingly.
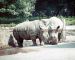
(30, 30)
(55, 30)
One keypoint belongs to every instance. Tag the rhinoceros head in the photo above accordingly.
(44, 32)
(53, 35)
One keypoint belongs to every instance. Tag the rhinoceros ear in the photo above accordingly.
(57, 28)
(41, 24)
(43, 27)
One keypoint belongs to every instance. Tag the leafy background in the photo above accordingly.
(16, 11)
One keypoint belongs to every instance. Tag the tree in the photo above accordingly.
(25, 7)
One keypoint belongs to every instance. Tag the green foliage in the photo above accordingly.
(25, 8)
(1, 0)
(20, 9)
(70, 20)
(4, 20)
(12, 7)
(13, 12)
(8, 25)
(10, 11)
(2, 10)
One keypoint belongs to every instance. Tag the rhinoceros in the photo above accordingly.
(30, 30)
(55, 30)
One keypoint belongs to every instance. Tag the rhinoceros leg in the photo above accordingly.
(20, 42)
(33, 38)
(59, 37)
(40, 40)
(34, 42)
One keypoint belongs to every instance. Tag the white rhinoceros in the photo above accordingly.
(55, 29)
(30, 30)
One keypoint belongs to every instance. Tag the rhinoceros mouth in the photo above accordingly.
(52, 42)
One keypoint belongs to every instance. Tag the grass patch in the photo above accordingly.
(7, 25)
(70, 20)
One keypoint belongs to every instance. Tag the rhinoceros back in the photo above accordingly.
(26, 29)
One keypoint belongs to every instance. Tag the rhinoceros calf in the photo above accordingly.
(30, 30)
(55, 29)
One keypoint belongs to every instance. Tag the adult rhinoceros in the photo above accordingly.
(55, 29)
(30, 30)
